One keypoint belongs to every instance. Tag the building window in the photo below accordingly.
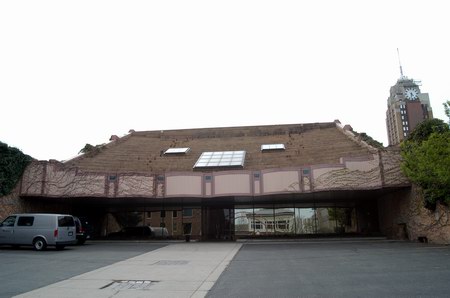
(177, 151)
(187, 212)
(163, 213)
(256, 225)
(283, 225)
(174, 213)
(149, 214)
(175, 227)
(272, 147)
(221, 159)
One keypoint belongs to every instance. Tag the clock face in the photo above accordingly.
(411, 93)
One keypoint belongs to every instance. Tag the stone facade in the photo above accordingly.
(402, 216)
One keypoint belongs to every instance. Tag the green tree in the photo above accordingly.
(12, 164)
(447, 109)
(426, 160)
(91, 149)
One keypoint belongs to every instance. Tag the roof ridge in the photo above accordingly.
(347, 130)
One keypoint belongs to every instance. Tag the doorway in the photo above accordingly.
(218, 223)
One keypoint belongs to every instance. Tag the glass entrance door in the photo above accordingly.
(218, 223)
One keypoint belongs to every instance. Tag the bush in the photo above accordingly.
(12, 164)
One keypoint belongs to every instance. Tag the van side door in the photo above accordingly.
(7, 230)
(25, 231)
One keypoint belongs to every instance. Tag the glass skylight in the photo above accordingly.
(177, 150)
(272, 147)
(221, 159)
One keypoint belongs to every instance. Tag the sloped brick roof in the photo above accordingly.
(306, 144)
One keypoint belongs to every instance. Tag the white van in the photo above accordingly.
(38, 230)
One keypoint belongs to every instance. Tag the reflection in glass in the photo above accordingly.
(305, 221)
(264, 221)
(326, 222)
(345, 219)
(243, 222)
(284, 221)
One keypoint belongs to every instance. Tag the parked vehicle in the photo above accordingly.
(84, 229)
(38, 230)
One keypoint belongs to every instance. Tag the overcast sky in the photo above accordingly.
(77, 72)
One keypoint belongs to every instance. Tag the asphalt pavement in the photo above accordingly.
(337, 269)
(299, 268)
(23, 269)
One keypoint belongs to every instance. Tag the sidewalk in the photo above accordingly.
(177, 270)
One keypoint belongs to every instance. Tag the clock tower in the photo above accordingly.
(407, 107)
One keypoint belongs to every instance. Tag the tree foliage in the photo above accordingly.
(89, 149)
(426, 160)
(447, 109)
(369, 140)
(12, 164)
(424, 130)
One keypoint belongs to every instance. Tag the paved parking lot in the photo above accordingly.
(22, 270)
(318, 268)
(337, 269)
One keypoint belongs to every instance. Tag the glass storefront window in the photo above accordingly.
(263, 221)
(187, 212)
(284, 221)
(305, 221)
(345, 220)
(325, 220)
(243, 221)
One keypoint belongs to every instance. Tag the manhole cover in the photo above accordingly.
(171, 262)
(119, 285)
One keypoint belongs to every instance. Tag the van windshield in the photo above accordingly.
(65, 221)
(9, 221)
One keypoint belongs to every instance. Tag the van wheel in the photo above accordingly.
(39, 244)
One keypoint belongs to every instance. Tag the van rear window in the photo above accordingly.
(65, 221)
(25, 221)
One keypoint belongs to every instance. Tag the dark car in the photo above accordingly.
(132, 233)
(83, 229)
(140, 232)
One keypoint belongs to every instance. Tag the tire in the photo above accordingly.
(39, 244)
(59, 246)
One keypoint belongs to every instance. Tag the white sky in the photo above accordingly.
(76, 72)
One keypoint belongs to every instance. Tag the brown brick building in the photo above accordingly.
(224, 183)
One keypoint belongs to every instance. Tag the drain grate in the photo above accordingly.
(172, 262)
(119, 285)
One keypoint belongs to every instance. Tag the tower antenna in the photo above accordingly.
(401, 69)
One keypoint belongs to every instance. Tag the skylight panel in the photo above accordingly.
(177, 150)
(268, 147)
(221, 159)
